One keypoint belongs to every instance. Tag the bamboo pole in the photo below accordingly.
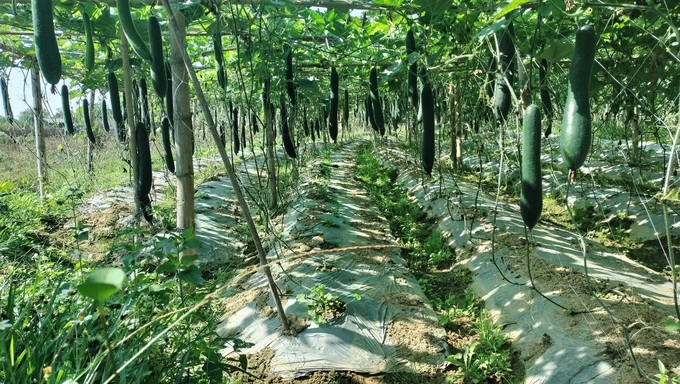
(39, 125)
(132, 138)
(245, 210)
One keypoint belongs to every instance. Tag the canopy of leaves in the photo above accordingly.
(455, 37)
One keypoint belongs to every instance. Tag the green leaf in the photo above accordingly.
(191, 275)
(556, 51)
(509, 8)
(102, 283)
(5, 186)
(388, 3)
(493, 28)
(188, 233)
(167, 266)
(309, 85)
(83, 235)
(188, 260)
(435, 6)
(672, 325)
(243, 360)
(192, 243)
(392, 70)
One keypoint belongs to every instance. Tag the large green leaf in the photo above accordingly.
(509, 8)
(191, 275)
(435, 6)
(495, 27)
(102, 283)
(6, 186)
(388, 3)
(556, 51)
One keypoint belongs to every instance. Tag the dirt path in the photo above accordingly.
(391, 327)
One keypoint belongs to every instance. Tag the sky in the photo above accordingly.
(21, 94)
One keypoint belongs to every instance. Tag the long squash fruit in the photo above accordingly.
(144, 101)
(546, 103)
(305, 123)
(376, 105)
(89, 42)
(134, 38)
(369, 113)
(105, 117)
(333, 118)
(576, 123)
(219, 60)
(88, 123)
(253, 122)
(114, 95)
(285, 133)
(502, 96)
(145, 205)
(290, 84)
(158, 77)
(45, 40)
(5, 100)
(66, 109)
(144, 160)
(345, 109)
(235, 139)
(145, 176)
(428, 145)
(545, 92)
(531, 196)
(169, 106)
(167, 147)
(223, 135)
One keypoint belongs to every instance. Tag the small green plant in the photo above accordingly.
(490, 336)
(471, 368)
(487, 358)
(460, 306)
(322, 306)
(586, 216)
(438, 253)
(664, 377)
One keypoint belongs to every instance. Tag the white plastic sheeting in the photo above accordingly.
(391, 328)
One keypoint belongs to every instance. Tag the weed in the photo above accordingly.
(459, 306)
(323, 306)
(586, 216)
(487, 358)
(664, 377)
(46, 329)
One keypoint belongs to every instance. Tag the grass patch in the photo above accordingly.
(48, 331)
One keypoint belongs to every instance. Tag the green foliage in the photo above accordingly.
(458, 306)
(402, 213)
(102, 283)
(664, 377)
(487, 358)
(48, 331)
(322, 305)
(586, 216)
(23, 220)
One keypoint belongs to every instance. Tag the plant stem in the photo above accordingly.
(107, 340)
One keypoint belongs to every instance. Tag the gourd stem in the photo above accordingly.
(590, 287)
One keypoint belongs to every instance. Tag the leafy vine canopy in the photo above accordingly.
(637, 47)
